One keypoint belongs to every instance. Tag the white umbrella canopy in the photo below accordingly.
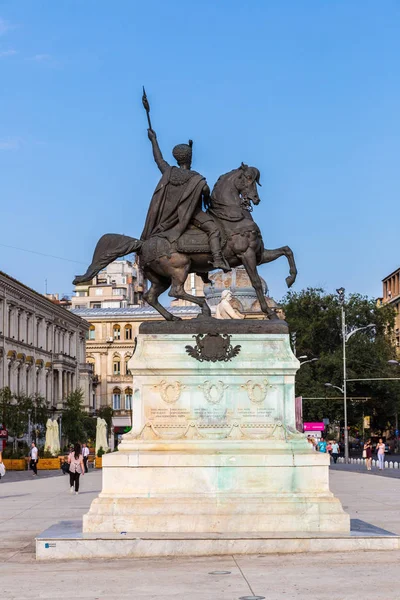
(52, 442)
(101, 435)
(49, 435)
(56, 439)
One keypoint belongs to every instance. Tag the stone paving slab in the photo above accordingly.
(342, 576)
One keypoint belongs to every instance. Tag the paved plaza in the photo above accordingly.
(30, 505)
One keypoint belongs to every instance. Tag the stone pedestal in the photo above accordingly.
(214, 447)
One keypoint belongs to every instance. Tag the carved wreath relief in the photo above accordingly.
(170, 392)
(213, 392)
(256, 391)
(213, 347)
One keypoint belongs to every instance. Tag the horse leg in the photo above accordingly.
(250, 264)
(158, 285)
(177, 290)
(270, 255)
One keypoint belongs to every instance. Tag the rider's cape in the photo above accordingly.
(178, 196)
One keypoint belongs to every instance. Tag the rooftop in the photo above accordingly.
(134, 311)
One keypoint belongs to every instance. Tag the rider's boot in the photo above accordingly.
(219, 261)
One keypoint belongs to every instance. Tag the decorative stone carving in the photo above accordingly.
(213, 392)
(213, 347)
(224, 309)
(256, 391)
(170, 392)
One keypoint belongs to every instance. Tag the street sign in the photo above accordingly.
(396, 433)
(367, 422)
(325, 421)
(314, 426)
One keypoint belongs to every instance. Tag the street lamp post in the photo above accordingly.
(345, 338)
(29, 426)
(340, 292)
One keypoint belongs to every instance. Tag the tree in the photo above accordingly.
(15, 410)
(73, 418)
(316, 318)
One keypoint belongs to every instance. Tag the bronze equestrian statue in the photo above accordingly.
(179, 238)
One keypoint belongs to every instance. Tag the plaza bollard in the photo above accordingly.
(396, 465)
(386, 464)
(390, 465)
(373, 463)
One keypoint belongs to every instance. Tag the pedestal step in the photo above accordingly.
(66, 541)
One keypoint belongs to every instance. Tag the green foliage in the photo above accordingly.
(14, 411)
(43, 453)
(74, 418)
(89, 424)
(100, 451)
(20, 452)
(316, 318)
(106, 413)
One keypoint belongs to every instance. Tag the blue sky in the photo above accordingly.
(307, 91)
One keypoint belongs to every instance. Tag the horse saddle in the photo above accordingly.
(194, 240)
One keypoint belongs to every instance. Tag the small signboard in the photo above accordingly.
(3, 434)
(314, 426)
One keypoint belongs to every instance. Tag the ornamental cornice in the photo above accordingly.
(109, 346)
(17, 291)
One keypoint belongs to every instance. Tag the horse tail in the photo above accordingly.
(109, 247)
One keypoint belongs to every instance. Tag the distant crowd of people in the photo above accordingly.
(333, 448)
(327, 447)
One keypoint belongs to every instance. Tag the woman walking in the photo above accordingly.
(380, 448)
(367, 454)
(76, 468)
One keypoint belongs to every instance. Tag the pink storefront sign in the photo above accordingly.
(314, 426)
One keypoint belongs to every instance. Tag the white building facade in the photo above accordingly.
(42, 346)
(119, 285)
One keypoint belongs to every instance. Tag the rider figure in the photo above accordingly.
(178, 200)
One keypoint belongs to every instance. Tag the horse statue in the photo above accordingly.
(167, 264)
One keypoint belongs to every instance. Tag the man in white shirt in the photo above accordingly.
(34, 458)
(85, 454)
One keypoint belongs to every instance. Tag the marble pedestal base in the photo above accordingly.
(214, 447)
(188, 487)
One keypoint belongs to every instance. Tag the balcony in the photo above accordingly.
(62, 360)
(119, 378)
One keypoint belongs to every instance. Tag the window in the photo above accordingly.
(123, 280)
(98, 292)
(128, 332)
(117, 332)
(119, 292)
(117, 365)
(91, 333)
(95, 304)
(116, 399)
(128, 399)
(126, 366)
(80, 294)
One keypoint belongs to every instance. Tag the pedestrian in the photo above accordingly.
(329, 448)
(380, 448)
(2, 467)
(310, 440)
(34, 454)
(335, 451)
(85, 454)
(367, 454)
(76, 468)
(321, 446)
